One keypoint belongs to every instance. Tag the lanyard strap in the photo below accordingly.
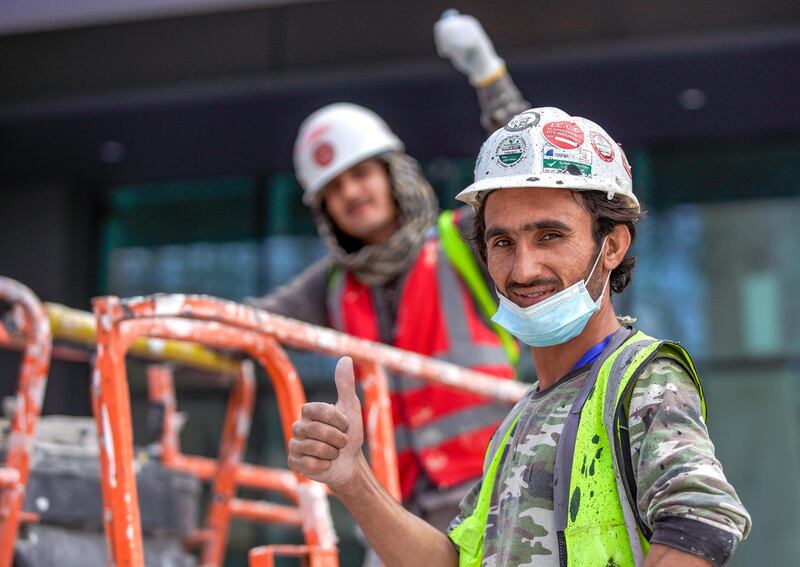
(593, 352)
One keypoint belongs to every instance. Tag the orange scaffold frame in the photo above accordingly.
(225, 473)
(32, 330)
(228, 471)
(224, 324)
(118, 325)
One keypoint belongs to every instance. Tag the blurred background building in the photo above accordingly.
(145, 146)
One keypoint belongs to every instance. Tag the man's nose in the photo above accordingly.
(349, 187)
(527, 266)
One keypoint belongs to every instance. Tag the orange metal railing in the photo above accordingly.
(78, 328)
(265, 556)
(227, 325)
(227, 472)
(31, 329)
(117, 328)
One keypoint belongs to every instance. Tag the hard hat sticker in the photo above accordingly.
(564, 134)
(510, 150)
(602, 146)
(323, 154)
(523, 120)
(306, 140)
(574, 162)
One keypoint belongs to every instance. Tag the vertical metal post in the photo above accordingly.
(317, 525)
(111, 403)
(380, 429)
(161, 390)
(27, 408)
(232, 447)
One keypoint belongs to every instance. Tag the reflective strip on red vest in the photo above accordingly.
(439, 431)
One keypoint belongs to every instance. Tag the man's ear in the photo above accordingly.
(617, 243)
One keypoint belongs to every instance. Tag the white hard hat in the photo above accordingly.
(546, 147)
(335, 138)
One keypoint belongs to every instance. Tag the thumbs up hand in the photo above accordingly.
(326, 439)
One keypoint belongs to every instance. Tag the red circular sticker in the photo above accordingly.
(564, 134)
(323, 154)
(602, 146)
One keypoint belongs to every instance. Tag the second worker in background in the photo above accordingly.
(400, 273)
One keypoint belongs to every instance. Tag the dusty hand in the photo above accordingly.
(326, 439)
(462, 39)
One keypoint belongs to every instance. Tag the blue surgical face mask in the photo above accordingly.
(554, 321)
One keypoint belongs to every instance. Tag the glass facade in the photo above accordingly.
(718, 270)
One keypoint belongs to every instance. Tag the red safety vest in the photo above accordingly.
(438, 431)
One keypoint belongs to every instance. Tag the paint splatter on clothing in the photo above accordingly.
(682, 493)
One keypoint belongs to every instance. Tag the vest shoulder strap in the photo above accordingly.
(629, 365)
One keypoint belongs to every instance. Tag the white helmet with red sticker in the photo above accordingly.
(335, 138)
(546, 147)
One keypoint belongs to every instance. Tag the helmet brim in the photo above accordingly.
(312, 192)
(471, 195)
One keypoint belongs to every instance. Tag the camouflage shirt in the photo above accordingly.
(682, 493)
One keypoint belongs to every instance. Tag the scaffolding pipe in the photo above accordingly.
(32, 329)
(79, 327)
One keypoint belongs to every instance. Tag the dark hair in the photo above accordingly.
(606, 214)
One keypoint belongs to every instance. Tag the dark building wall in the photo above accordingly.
(47, 240)
(47, 243)
(345, 34)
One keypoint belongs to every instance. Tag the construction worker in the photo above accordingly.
(607, 460)
(398, 274)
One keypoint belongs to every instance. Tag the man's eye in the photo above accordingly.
(551, 236)
(501, 243)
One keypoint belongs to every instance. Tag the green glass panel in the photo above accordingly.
(168, 213)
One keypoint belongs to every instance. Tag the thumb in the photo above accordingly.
(348, 400)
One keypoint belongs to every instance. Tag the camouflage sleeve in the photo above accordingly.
(682, 493)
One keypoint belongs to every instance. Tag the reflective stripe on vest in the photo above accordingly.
(439, 430)
(593, 492)
(451, 425)
(463, 350)
(463, 260)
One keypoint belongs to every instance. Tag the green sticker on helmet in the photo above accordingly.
(510, 150)
(558, 160)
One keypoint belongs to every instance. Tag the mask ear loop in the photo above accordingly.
(599, 300)
(596, 260)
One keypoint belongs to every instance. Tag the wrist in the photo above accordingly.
(490, 75)
(700, 539)
(354, 485)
